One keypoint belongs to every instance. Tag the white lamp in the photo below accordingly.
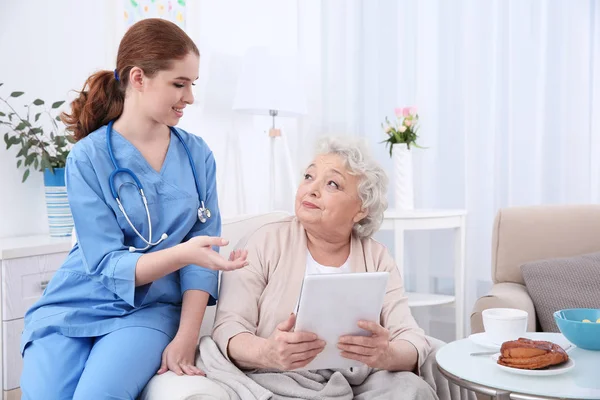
(270, 84)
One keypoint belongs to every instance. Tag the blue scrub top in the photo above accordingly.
(94, 292)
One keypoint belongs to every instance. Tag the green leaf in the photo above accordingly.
(181, 2)
(19, 163)
(133, 3)
(37, 116)
(1, 84)
(6, 138)
(2, 114)
(10, 143)
(58, 118)
(21, 126)
(25, 175)
(16, 94)
(30, 158)
(57, 104)
(38, 102)
(36, 163)
(45, 160)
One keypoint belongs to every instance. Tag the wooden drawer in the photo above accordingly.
(11, 357)
(24, 280)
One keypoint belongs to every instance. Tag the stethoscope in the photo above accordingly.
(203, 212)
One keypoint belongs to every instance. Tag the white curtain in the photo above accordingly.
(509, 98)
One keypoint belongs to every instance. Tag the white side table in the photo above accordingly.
(482, 375)
(401, 221)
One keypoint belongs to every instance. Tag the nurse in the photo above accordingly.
(129, 300)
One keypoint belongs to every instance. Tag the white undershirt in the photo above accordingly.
(314, 268)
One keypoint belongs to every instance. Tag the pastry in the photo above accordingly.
(531, 354)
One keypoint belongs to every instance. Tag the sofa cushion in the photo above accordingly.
(559, 283)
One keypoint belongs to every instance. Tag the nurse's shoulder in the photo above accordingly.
(91, 149)
(196, 144)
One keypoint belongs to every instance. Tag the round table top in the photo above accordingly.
(581, 382)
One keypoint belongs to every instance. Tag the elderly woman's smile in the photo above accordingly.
(309, 205)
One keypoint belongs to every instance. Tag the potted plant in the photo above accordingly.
(401, 135)
(43, 146)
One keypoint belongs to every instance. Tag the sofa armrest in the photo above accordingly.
(174, 387)
(504, 295)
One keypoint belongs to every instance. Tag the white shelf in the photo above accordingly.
(27, 246)
(422, 213)
(428, 299)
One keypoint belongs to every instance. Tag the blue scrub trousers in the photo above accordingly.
(117, 365)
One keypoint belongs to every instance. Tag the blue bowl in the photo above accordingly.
(585, 335)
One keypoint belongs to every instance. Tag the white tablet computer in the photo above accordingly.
(331, 305)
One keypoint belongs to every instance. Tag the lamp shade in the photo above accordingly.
(270, 81)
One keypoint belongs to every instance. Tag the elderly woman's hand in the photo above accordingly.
(371, 350)
(286, 350)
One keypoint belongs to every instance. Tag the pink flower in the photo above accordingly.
(402, 129)
(388, 129)
(413, 110)
(398, 111)
(405, 111)
(407, 122)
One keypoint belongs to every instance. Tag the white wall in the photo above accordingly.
(224, 30)
(49, 48)
(46, 49)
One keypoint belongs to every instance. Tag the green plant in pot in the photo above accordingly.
(43, 146)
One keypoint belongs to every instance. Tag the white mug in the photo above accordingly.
(504, 324)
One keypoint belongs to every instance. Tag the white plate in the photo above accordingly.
(553, 370)
(484, 340)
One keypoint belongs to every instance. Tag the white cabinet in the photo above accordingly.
(27, 264)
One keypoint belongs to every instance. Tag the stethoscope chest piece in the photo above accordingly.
(203, 213)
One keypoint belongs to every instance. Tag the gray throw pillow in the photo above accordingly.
(559, 283)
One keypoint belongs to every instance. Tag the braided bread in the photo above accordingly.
(531, 354)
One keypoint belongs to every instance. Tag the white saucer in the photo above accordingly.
(484, 340)
(553, 370)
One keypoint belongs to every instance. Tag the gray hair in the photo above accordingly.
(373, 181)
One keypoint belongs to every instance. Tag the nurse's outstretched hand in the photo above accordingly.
(198, 251)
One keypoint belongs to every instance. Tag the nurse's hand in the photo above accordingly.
(198, 251)
(179, 357)
(286, 350)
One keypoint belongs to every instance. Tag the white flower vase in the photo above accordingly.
(403, 177)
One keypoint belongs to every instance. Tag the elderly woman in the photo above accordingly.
(339, 205)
